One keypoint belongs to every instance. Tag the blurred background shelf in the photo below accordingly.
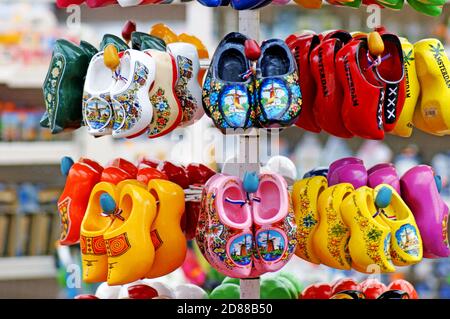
(26, 153)
(33, 267)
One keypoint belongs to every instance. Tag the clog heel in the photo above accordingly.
(229, 234)
(128, 243)
(404, 124)
(330, 240)
(167, 236)
(92, 244)
(305, 195)
(370, 236)
(406, 242)
(433, 66)
(421, 193)
(274, 224)
(72, 203)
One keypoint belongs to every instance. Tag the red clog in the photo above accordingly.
(176, 174)
(74, 199)
(91, 163)
(391, 73)
(114, 175)
(198, 173)
(100, 3)
(147, 173)
(127, 166)
(65, 3)
(329, 97)
(301, 47)
(363, 93)
(149, 162)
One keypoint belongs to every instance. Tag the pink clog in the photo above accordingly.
(275, 228)
(384, 173)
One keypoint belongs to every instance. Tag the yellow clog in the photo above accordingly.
(331, 236)
(406, 242)
(305, 195)
(134, 182)
(128, 243)
(163, 32)
(419, 121)
(166, 233)
(433, 67)
(370, 236)
(93, 250)
(404, 124)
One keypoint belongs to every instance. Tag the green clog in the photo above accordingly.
(226, 291)
(230, 280)
(392, 4)
(353, 4)
(430, 10)
(272, 288)
(293, 279)
(144, 41)
(63, 87)
(120, 44)
(88, 48)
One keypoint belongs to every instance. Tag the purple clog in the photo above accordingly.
(420, 192)
(347, 170)
(384, 173)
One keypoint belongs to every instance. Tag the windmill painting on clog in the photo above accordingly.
(278, 94)
(132, 107)
(228, 90)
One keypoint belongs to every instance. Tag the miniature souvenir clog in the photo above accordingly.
(348, 170)
(131, 3)
(301, 47)
(384, 173)
(74, 199)
(391, 4)
(167, 111)
(66, 3)
(167, 236)
(370, 236)
(133, 109)
(92, 245)
(198, 173)
(88, 48)
(406, 243)
(187, 87)
(432, 66)
(127, 166)
(97, 110)
(275, 230)
(128, 241)
(228, 90)
(305, 195)
(405, 124)
(63, 87)
(421, 194)
(229, 233)
(331, 236)
(278, 94)
(391, 73)
(100, 3)
(330, 93)
(363, 93)
(248, 4)
(176, 173)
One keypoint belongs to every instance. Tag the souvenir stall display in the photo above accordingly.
(158, 229)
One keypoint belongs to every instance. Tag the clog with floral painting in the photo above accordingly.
(370, 237)
(305, 195)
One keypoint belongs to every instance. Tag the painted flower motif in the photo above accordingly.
(213, 97)
(49, 97)
(55, 72)
(160, 106)
(309, 221)
(207, 82)
(296, 90)
(216, 115)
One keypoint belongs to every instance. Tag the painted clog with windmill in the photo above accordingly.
(228, 89)
(278, 94)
